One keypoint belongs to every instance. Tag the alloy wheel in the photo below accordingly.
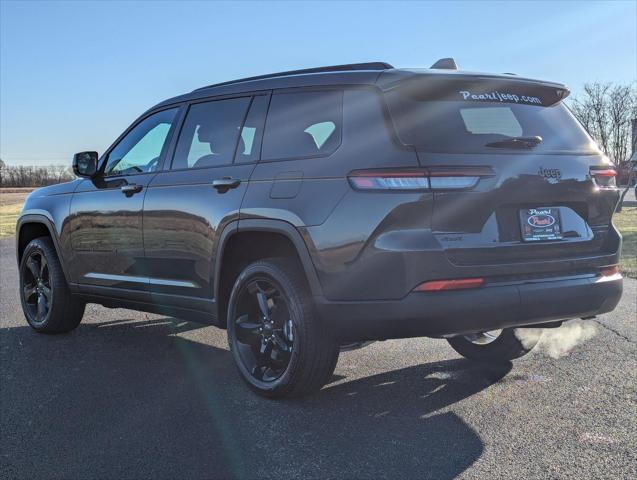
(36, 287)
(264, 330)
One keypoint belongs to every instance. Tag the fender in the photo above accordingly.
(272, 226)
(43, 218)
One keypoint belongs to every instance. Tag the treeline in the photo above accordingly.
(31, 176)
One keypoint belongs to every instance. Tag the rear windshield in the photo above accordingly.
(479, 117)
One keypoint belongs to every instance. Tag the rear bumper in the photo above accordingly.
(464, 311)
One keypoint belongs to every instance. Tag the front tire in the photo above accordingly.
(496, 346)
(47, 303)
(279, 345)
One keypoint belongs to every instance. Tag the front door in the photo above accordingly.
(188, 205)
(106, 211)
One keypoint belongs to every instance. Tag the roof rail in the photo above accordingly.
(334, 68)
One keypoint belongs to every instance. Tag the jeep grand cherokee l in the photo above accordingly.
(310, 210)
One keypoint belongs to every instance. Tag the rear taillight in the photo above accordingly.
(435, 178)
(604, 177)
(389, 180)
(457, 284)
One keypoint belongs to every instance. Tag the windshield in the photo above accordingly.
(480, 117)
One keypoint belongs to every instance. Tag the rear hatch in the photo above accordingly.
(530, 184)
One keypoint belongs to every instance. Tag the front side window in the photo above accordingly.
(210, 133)
(140, 150)
(305, 124)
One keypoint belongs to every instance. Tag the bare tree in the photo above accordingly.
(606, 110)
(63, 173)
(30, 176)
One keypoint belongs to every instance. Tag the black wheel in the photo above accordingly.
(494, 346)
(278, 343)
(47, 303)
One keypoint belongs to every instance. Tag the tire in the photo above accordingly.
(505, 347)
(301, 354)
(47, 303)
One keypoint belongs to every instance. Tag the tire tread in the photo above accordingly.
(319, 355)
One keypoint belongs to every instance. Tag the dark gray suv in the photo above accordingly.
(316, 210)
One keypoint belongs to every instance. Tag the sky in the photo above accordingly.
(74, 75)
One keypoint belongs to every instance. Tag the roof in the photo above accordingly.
(353, 74)
(332, 69)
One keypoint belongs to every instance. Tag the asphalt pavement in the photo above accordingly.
(134, 395)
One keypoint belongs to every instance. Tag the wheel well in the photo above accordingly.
(28, 232)
(242, 249)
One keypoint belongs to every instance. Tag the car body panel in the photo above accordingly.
(50, 205)
(183, 216)
(106, 233)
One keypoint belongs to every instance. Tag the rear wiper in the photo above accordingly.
(516, 142)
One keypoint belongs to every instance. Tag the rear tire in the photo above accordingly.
(47, 303)
(505, 347)
(278, 343)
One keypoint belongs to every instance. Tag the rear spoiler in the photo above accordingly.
(476, 87)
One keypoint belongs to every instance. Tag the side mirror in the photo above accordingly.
(85, 164)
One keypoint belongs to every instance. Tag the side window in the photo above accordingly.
(249, 146)
(210, 132)
(140, 150)
(305, 124)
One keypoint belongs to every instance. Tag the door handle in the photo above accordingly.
(131, 189)
(226, 183)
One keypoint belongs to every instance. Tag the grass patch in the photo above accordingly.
(8, 218)
(626, 223)
(11, 201)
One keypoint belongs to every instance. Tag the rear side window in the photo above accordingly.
(249, 146)
(304, 124)
(210, 132)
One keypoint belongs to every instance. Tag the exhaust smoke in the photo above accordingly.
(557, 342)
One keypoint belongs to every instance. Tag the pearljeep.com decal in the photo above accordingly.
(496, 96)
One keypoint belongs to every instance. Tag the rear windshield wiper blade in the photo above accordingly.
(516, 142)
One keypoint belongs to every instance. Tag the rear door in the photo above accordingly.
(199, 192)
(106, 212)
(515, 177)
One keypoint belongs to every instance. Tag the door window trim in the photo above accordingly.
(258, 139)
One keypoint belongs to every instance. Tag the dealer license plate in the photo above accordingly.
(540, 224)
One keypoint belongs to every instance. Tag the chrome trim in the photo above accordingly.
(140, 279)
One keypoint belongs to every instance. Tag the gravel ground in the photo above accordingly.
(134, 395)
